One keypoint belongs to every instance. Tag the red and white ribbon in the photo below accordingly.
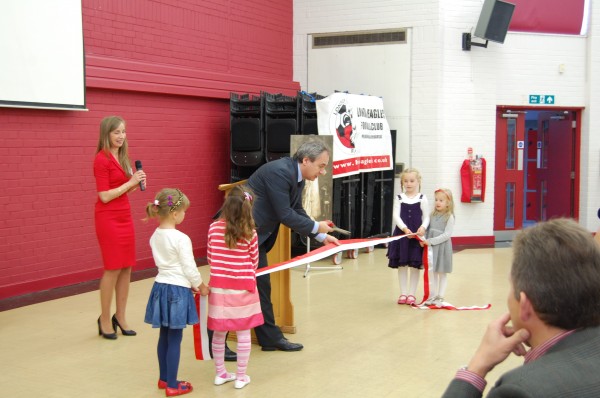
(201, 337)
(200, 334)
(351, 244)
(326, 251)
(427, 280)
(201, 347)
(448, 306)
(427, 259)
(345, 245)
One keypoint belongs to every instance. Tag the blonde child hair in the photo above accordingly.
(165, 202)
(409, 171)
(449, 199)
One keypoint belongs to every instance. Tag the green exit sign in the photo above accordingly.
(541, 99)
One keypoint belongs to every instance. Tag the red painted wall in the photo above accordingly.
(167, 67)
(549, 16)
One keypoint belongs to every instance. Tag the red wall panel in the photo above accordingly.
(50, 192)
(549, 16)
(167, 67)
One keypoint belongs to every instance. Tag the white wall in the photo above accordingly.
(590, 142)
(454, 93)
(384, 69)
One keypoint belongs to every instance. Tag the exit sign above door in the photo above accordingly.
(541, 99)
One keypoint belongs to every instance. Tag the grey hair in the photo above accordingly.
(311, 150)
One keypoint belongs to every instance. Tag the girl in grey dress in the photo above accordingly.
(438, 237)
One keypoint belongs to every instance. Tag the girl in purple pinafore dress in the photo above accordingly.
(411, 215)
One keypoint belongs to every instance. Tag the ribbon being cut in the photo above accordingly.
(200, 335)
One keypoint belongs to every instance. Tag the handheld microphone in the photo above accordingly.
(138, 167)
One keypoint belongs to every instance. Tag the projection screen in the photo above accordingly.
(42, 61)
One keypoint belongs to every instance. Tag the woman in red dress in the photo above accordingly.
(114, 225)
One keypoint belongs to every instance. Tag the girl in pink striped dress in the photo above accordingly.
(233, 303)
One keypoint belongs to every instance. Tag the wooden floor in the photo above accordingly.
(358, 341)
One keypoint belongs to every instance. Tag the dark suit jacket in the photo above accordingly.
(571, 368)
(278, 199)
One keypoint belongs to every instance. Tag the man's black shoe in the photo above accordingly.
(283, 345)
(230, 356)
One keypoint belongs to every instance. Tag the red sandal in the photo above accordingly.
(402, 299)
(182, 388)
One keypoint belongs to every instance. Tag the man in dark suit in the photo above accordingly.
(278, 186)
(597, 235)
(554, 306)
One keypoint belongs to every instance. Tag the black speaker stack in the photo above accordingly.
(261, 126)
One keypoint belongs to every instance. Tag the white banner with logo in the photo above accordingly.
(361, 134)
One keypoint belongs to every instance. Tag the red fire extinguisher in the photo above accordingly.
(472, 175)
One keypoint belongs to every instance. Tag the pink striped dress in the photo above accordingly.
(233, 303)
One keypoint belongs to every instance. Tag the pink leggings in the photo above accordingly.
(244, 345)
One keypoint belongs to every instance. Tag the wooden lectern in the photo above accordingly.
(280, 281)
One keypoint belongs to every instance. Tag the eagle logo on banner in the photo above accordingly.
(343, 125)
(361, 134)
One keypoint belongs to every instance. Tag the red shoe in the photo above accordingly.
(163, 384)
(411, 299)
(402, 299)
(182, 388)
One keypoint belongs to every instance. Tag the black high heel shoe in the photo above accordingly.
(116, 324)
(109, 336)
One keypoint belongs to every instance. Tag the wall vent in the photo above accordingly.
(346, 39)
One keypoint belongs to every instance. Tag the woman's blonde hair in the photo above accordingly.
(107, 126)
(409, 171)
(167, 201)
(237, 214)
(448, 194)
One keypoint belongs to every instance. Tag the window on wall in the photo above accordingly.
(509, 217)
(42, 61)
(511, 144)
(544, 139)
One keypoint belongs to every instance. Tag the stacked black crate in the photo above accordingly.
(307, 112)
(247, 147)
(280, 123)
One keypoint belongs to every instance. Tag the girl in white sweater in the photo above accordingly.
(171, 304)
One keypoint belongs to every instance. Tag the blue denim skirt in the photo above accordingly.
(171, 306)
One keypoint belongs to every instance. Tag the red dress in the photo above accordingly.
(114, 225)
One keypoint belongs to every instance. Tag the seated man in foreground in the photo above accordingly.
(554, 308)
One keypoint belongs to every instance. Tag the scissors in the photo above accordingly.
(338, 230)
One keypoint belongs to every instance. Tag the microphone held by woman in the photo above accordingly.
(138, 167)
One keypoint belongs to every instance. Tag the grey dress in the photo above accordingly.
(438, 236)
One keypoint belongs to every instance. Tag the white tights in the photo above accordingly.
(440, 282)
(403, 279)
